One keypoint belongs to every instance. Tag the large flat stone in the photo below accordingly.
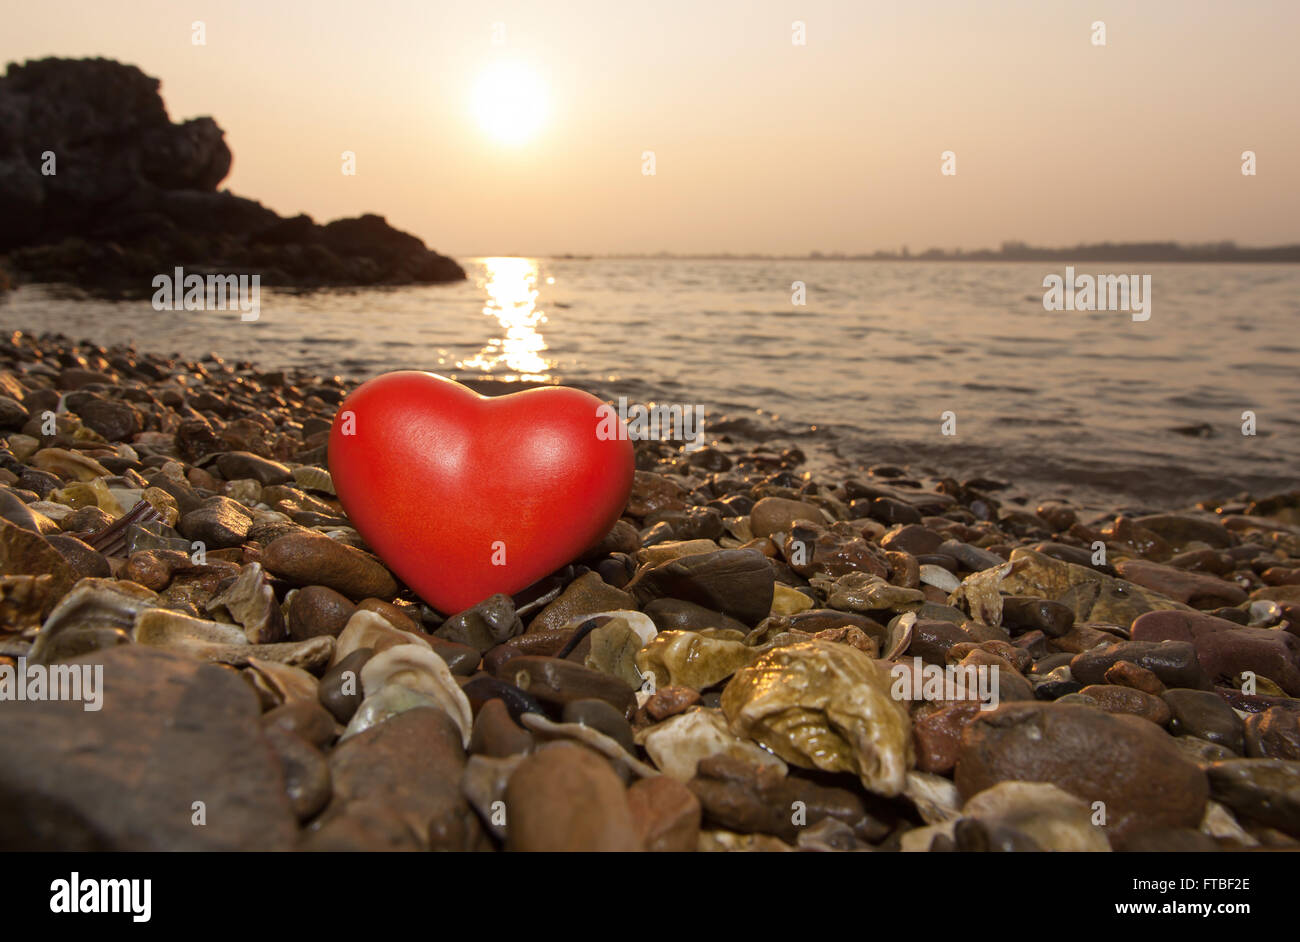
(172, 731)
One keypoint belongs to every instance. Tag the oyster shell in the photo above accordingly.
(819, 704)
(938, 577)
(695, 659)
(1094, 596)
(980, 592)
(484, 782)
(864, 592)
(417, 667)
(93, 493)
(1052, 818)
(391, 700)
(677, 745)
(226, 644)
(935, 797)
(69, 465)
(105, 609)
(282, 682)
(164, 628)
(614, 648)
(314, 479)
(250, 602)
(367, 629)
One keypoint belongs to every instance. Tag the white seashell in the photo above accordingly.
(640, 623)
(371, 630)
(387, 703)
(49, 508)
(1264, 612)
(225, 644)
(250, 601)
(289, 684)
(417, 667)
(980, 592)
(939, 577)
(1052, 817)
(93, 604)
(677, 745)
(936, 798)
(127, 496)
(164, 628)
(484, 783)
(314, 479)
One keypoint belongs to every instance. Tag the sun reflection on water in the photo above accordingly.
(511, 286)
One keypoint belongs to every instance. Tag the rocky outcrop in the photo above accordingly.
(98, 187)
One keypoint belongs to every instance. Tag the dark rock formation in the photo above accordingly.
(134, 195)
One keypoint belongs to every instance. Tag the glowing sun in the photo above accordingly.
(510, 102)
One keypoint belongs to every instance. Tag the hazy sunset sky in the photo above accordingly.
(760, 145)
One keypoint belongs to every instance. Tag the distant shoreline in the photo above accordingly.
(1154, 252)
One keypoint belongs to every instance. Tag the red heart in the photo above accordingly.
(442, 483)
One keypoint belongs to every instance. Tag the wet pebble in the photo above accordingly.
(1116, 699)
(586, 595)
(1204, 714)
(1126, 762)
(551, 680)
(309, 559)
(565, 797)
(340, 686)
(318, 610)
(1263, 790)
(235, 465)
(496, 734)
(749, 797)
(665, 813)
(484, 626)
(601, 716)
(777, 515)
(216, 523)
(1273, 734)
(1225, 649)
(737, 583)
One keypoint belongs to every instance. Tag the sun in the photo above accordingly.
(510, 102)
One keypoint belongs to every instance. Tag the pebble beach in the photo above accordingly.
(720, 673)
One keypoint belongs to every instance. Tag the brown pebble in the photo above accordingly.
(395, 616)
(1273, 734)
(1117, 699)
(666, 814)
(496, 734)
(669, 701)
(340, 687)
(556, 681)
(311, 559)
(306, 718)
(318, 610)
(567, 798)
(1128, 674)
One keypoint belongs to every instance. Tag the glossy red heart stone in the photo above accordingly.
(463, 495)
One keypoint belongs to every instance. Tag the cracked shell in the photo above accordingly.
(819, 704)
